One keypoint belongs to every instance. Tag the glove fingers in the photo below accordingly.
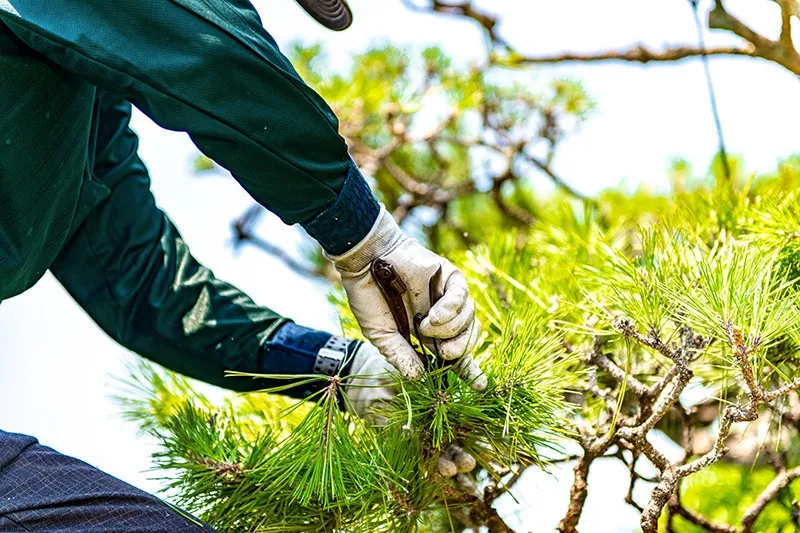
(468, 370)
(462, 344)
(446, 467)
(455, 297)
(464, 462)
(450, 329)
(399, 354)
(372, 412)
(455, 460)
(366, 402)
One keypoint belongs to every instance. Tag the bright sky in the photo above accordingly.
(56, 366)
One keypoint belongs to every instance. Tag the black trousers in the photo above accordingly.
(44, 491)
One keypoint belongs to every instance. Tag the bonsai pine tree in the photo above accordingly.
(609, 321)
(595, 332)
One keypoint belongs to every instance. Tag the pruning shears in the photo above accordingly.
(392, 288)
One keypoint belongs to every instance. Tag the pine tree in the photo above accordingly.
(257, 463)
(594, 330)
(600, 315)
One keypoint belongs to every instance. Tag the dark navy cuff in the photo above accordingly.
(348, 220)
(297, 350)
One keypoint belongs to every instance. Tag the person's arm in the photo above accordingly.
(129, 268)
(207, 67)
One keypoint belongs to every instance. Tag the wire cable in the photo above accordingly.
(723, 153)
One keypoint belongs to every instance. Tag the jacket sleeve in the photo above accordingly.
(208, 67)
(129, 268)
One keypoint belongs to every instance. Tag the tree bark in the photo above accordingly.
(577, 495)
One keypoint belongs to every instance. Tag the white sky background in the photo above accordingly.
(56, 365)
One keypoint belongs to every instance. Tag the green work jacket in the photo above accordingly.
(75, 197)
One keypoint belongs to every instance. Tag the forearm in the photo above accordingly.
(210, 69)
(143, 287)
(129, 268)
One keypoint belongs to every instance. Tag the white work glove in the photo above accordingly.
(451, 319)
(372, 388)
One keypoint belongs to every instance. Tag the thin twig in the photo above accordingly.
(767, 495)
(243, 233)
(640, 54)
(560, 183)
(676, 508)
(626, 327)
(633, 384)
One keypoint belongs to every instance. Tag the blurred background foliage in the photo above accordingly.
(723, 491)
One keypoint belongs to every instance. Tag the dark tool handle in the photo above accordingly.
(392, 288)
(433, 286)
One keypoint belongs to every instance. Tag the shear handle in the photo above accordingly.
(392, 288)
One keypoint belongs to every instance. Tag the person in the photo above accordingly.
(75, 199)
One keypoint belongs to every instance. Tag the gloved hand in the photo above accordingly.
(373, 387)
(451, 319)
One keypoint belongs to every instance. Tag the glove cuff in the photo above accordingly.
(363, 353)
(382, 238)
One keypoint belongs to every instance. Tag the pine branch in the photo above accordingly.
(767, 495)
(742, 355)
(520, 216)
(577, 494)
(626, 327)
(229, 473)
(597, 358)
(671, 473)
(781, 52)
(677, 509)
(464, 9)
(786, 23)
(638, 54)
(634, 477)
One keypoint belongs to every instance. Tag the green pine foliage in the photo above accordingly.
(716, 256)
(260, 462)
(243, 470)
